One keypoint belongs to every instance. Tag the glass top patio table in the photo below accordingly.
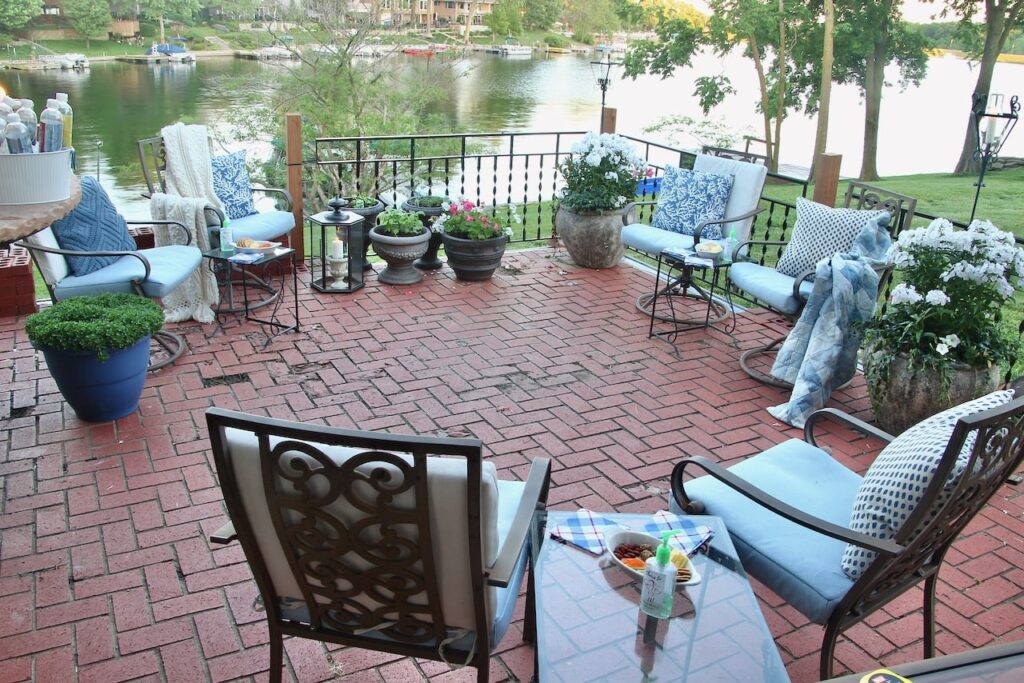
(590, 627)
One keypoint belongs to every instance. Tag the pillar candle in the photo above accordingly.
(337, 248)
(992, 132)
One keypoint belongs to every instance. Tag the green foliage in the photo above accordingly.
(426, 201)
(14, 14)
(148, 29)
(462, 218)
(89, 17)
(678, 41)
(398, 223)
(154, 9)
(542, 14)
(555, 40)
(505, 17)
(588, 17)
(361, 201)
(101, 323)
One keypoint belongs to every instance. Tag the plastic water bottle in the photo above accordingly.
(69, 117)
(659, 582)
(16, 135)
(5, 109)
(730, 245)
(11, 102)
(51, 128)
(27, 113)
(227, 238)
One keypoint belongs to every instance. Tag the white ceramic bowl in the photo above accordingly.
(614, 539)
(270, 246)
(706, 250)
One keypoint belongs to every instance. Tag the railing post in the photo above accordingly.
(293, 159)
(608, 115)
(826, 178)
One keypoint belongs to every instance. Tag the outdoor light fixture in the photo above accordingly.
(992, 125)
(603, 75)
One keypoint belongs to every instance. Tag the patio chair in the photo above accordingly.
(837, 546)
(89, 251)
(783, 287)
(400, 544)
(729, 193)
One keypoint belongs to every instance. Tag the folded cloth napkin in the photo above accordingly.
(691, 537)
(586, 531)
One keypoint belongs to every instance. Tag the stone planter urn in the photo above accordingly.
(474, 260)
(593, 238)
(399, 253)
(430, 261)
(904, 398)
(369, 214)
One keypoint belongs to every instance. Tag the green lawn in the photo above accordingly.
(97, 48)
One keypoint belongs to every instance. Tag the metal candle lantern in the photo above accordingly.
(603, 75)
(343, 255)
(992, 125)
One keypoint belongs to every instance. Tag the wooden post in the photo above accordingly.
(293, 159)
(826, 178)
(608, 119)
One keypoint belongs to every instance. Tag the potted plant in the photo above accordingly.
(473, 240)
(369, 208)
(399, 238)
(97, 350)
(600, 180)
(940, 342)
(429, 207)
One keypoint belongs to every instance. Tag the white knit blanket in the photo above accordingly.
(197, 295)
(189, 173)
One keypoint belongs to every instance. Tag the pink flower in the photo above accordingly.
(468, 205)
(469, 218)
(454, 209)
(650, 171)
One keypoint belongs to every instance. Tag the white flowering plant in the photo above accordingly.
(601, 173)
(462, 218)
(948, 307)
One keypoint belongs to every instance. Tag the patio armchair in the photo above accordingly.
(401, 544)
(820, 232)
(89, 251)
(719, 197)
(837, 546)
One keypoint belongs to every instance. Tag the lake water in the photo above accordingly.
(922, 128)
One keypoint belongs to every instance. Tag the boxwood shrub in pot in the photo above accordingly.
(97, 350)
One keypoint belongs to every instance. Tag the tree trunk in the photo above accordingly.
(473, 7)
(162, 40)
(874, 78)
(780, 106)
(763, 86)
(825, 91)
(995, 38)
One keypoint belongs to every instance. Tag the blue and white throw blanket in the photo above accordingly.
(821, 351)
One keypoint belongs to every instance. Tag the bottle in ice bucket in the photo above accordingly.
(51, 128)
(27, 113)
(227, 239)
(69, 117)
(17, 136)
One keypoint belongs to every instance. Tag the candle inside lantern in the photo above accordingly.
(994, 104)
(992, 132)
(337, 248)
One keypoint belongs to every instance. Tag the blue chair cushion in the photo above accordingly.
(770, 286)
(820, 232)
(688, 198)
(268, 226)
(651, 240)
(893, 485)
(169, 267)
(93, 225)
(231, 184)
(799, 564)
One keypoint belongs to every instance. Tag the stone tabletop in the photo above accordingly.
(21, 220)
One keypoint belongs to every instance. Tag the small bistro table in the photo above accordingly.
(590, 627)
(679, 273)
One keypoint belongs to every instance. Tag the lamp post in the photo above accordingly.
(603, 75)
(992, 126)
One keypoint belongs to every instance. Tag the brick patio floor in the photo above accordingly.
(105, 571)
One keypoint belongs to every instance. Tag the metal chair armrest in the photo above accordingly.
(277, 190)
(763, 243)
(188, 233)
(224, 535)
(845, 418)
(777, 506)
(71, 252)
(728, 219)
(535, 497)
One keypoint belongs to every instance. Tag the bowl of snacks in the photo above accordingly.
(631, 550)
(709, 250)
(247, 245)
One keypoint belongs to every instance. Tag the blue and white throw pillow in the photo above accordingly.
(822, 232)
(894, 484)
(231, 184)
(93, 225)
(688, 198)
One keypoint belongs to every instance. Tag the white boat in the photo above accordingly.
(515, 50)
(68, 60)
(274, 52)
(173, 53)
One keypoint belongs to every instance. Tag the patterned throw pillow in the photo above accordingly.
(93, 225)
(231, 184)
(821, 232)
(895, 482)
(688, 198)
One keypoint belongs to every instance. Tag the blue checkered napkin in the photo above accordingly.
(691, 537)
(586, 531)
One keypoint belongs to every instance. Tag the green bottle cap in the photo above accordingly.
(664, 552)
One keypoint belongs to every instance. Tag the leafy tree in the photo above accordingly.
(89, 17)
(541, 14)
(232, 8)
(159, 9)
(16, 13)
(588, 17)
(505, 18)
(1001, 18)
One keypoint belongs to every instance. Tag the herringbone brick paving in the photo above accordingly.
(105, 570)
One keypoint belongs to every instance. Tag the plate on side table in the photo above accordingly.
(263, 248)
(614, 540)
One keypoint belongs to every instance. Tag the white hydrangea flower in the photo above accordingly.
(951, 340)
(611, 175)
(904, 294)
(937, 297)
(941, 349)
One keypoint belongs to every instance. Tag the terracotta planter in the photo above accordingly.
(906, 397)
(430, 261)
(594, 238)
(399, 253)
(474, 260)
(369, 215)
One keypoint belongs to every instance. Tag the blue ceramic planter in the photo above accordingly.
(100, 391)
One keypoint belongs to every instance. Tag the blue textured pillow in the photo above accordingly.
(688, 198)
(93, 225)
(231, 184)
(894, 484)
